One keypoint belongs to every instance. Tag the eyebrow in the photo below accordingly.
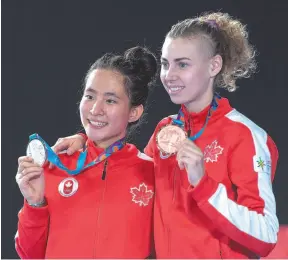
(107, 94)
(178, 59)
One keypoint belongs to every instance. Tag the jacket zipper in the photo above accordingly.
(104, 170)
(100, 205)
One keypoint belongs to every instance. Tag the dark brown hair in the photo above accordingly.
(139, 68)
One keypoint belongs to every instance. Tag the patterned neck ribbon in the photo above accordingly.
(53, 158)
(180, 121)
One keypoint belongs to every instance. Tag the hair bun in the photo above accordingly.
(143, 62)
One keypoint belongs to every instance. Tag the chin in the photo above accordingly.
(95, 137)
(178, 100)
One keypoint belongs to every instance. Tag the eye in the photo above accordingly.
(111, 101)
(89, 97)
(164, 64)
(183, 65)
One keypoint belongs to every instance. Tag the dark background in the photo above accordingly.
(48, 47)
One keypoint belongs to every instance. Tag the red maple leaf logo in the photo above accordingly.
(141, 195)
(68, 187)
(212, 151)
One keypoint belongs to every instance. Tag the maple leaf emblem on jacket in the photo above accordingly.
(212, 151)
(141, 194)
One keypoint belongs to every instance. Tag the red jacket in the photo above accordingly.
(109, 218)
(231, 213)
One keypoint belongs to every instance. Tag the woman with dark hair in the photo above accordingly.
(106, 210)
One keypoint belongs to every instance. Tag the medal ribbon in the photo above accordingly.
(180, 121)
(54, 159)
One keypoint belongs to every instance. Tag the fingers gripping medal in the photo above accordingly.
(169, 138)
(36, 150)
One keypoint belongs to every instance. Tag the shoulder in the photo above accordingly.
(244, 126)
(247, 133)
(136, 156)
(252, 140)
(139, 163)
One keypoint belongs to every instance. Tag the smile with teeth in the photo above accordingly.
(98, 124)
(174, 89)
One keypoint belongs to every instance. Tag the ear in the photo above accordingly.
(216, 64)
(135, 113)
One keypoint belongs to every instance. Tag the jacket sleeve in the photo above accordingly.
(250, 219)
(32, 233)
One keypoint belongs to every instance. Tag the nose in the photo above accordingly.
(97, 108)
(170, 74)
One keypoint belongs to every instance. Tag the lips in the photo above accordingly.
(97, 124)
(174, 89)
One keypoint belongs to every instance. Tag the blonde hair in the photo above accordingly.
(228, 37)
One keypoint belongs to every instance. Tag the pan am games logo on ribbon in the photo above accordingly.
(141, 194)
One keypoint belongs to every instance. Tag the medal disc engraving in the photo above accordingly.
(36, 150)
(169, 138)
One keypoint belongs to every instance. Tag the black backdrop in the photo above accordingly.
(47, 48)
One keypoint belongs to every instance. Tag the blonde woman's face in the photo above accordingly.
(186, 70)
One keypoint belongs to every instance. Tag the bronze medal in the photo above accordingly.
(169, 138)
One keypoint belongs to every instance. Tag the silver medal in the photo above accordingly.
(37, 151)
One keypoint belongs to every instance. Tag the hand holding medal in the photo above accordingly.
(172, 139)
(30, 179)
(190, 157)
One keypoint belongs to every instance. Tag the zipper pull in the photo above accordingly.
(104, 170)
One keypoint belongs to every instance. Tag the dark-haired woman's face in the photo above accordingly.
(105, 108)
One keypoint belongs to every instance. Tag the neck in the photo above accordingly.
(200, 103)
(106, 143)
